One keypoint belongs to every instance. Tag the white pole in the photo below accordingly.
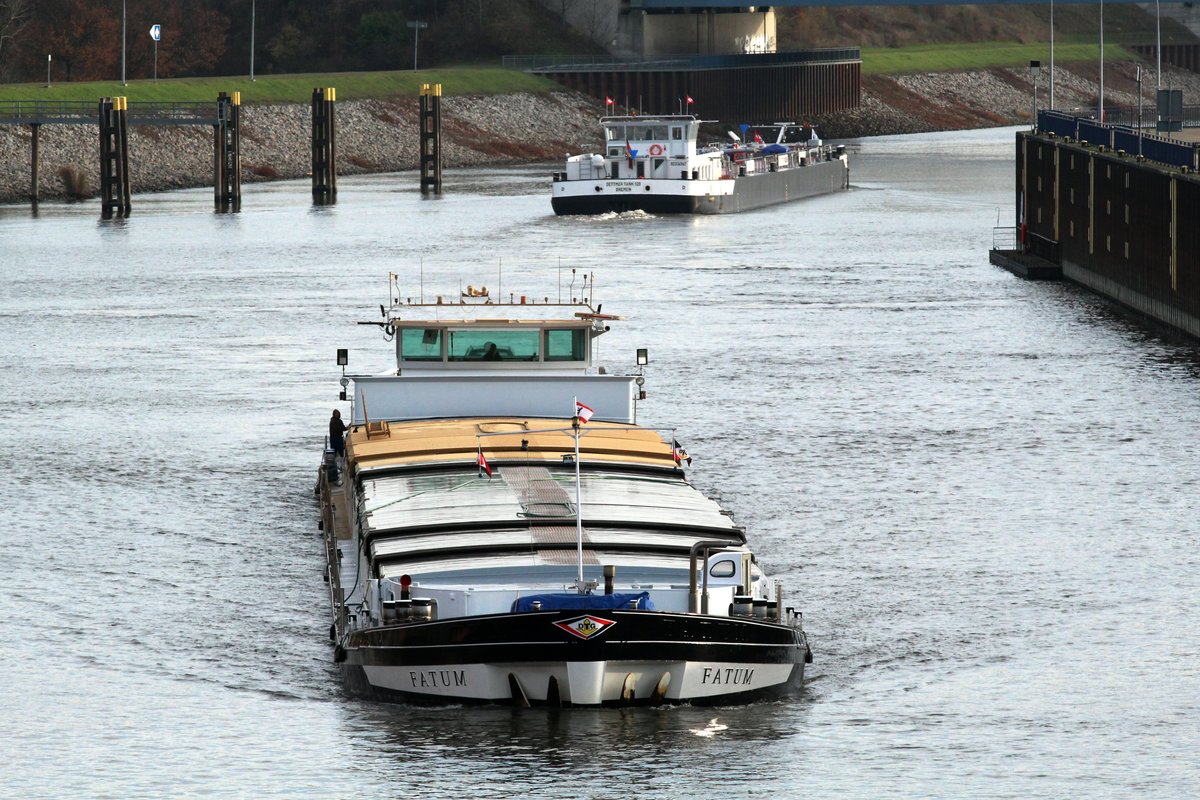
(123, 43)
(1101, 62)
(156, 59)
(578, 504)
(252, 40)
(1052, 54)
(1158, 47)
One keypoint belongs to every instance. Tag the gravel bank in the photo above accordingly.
(373, 136)
(381, 135)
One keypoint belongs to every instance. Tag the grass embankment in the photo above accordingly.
(292, 88)
(495, 81)
(980, 55)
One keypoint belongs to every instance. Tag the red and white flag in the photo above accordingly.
(608, 101)
(690, 100)
(583, 412)
(483, 465)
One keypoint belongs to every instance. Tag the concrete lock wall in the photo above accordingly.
(1124, 226)
(632, 33)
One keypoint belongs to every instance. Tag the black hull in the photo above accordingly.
(450, 661)
(608, 204)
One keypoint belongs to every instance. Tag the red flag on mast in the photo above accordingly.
(690, 100)
(483, 465)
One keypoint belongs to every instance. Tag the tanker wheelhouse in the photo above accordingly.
(655, 164)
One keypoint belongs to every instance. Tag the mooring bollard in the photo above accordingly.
(431, 138)
(114, 157)
(324, 172)
(227, 153)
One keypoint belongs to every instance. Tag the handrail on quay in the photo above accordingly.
(1151, 146)
(675, 60)
(1131, 115)
(84, 112)
(1004, 238)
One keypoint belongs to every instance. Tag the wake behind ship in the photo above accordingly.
(500, 529)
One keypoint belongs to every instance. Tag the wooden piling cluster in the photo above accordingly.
(34, 162)
(227, 153)
(324, 142)
(114, 157)
(431, 138)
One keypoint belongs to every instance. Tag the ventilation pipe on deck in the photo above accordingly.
(695, 602)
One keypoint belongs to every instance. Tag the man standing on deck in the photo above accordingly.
(337, 433)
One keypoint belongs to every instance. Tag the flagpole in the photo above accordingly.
(578, 505)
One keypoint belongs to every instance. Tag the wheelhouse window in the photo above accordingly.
(723, 569)
(634, 132)
(497, 345)
(564, 345)
(421, 344)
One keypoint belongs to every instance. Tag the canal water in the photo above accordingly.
(981, 491)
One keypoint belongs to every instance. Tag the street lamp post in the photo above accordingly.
(1158, 46)
(1052, 55)
(416, 25)
(1035, 69)
(1139, 85)
(251, 40)
(1101, 62)
(123, 83)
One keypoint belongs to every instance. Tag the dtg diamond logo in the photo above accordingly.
(585, 627)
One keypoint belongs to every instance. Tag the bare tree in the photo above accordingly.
(597, 20)
(14, 14)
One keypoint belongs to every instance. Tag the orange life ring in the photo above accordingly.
(656, 149)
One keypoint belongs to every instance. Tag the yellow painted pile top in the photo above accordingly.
(451, 440)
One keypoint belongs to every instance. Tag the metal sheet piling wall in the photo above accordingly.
(431, 138)
(114, 157)
(792, 92)
(1125, 226)
(324, 146)
(227, 153)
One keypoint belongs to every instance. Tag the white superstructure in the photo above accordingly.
(656, 164)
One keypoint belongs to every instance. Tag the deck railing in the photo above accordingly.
(1004, 238)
